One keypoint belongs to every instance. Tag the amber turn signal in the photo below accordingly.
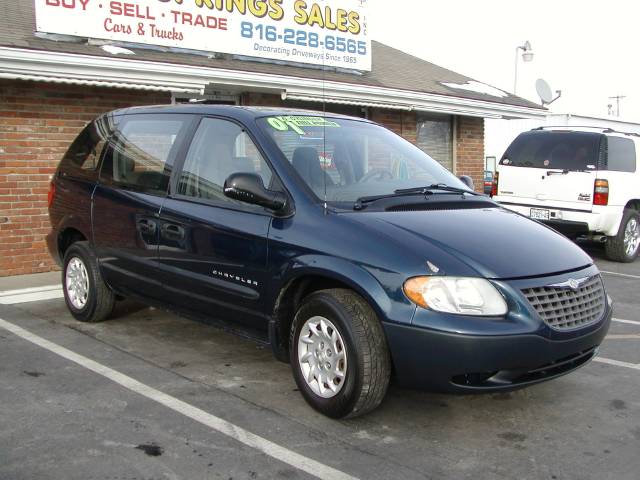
(414, 288)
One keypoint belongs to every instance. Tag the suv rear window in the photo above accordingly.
(554, 150)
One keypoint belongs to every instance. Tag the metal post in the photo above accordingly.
(515, 77)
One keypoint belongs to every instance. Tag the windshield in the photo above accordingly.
(350, 159)
(554, 150)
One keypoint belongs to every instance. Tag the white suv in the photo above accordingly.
(582, 181)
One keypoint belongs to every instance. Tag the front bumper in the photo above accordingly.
(441, 361)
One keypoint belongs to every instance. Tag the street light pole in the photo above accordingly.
(515, 76)
(527, 56)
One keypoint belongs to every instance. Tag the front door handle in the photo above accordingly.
(173, 232)
(146, 226)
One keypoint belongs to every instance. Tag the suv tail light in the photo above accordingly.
(494, 185)
(601, 192)
(52, 193)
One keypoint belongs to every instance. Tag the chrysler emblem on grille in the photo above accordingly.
(572, 283)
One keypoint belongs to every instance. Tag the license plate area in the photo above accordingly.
(539, 214)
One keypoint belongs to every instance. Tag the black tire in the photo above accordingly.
(615, 247)
(100, 299)
(368, 367)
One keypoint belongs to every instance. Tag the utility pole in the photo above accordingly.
(617, 98)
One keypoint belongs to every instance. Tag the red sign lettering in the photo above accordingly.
(68, 3)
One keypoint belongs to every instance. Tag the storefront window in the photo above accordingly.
(435, 137)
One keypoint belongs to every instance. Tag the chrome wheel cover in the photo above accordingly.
(77, 283)
(322, 357)
(631, 237)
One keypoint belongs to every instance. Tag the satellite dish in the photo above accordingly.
(545, 93)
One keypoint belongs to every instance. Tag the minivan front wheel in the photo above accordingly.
(339, 354)
(625, 245)
(88, 298)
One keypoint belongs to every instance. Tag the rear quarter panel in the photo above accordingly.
(71, 207)
(623, 186)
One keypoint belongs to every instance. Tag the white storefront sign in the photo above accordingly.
(321, 32)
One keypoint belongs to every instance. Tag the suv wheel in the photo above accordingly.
(339, 354)
(625, 245)
(88, 297)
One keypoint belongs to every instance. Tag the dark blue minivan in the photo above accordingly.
(355, 255)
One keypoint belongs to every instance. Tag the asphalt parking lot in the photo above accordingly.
(149, 395)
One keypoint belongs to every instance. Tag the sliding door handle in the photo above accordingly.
(172, 232)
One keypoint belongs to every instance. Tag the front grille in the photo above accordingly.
(564, 308)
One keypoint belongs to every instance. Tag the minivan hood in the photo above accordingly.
(495, 242)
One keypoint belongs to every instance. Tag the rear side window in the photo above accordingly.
(141, 152)
(82, 157)
(554, 150)
(621, 154)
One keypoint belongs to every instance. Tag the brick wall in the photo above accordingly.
(38, 121)
(403, 123)
(470, 149)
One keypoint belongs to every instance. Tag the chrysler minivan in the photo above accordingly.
(352, 253)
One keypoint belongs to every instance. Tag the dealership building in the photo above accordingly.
(55, 79)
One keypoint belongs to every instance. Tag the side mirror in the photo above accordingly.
(249, 188)
(468, 181)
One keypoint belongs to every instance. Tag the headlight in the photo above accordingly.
(461, 295)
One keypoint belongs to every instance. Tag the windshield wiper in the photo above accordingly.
(435, 186)
(405, 192)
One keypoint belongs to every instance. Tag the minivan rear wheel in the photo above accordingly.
(88, 298)
(625, 245)
(339, 354)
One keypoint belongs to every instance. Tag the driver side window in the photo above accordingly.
(219, 148)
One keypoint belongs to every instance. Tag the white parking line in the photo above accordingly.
(617, 363)
(44, 288)
(35, 294)
(631, 336)
(630, 322)
(620, 274)
(263, 445)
